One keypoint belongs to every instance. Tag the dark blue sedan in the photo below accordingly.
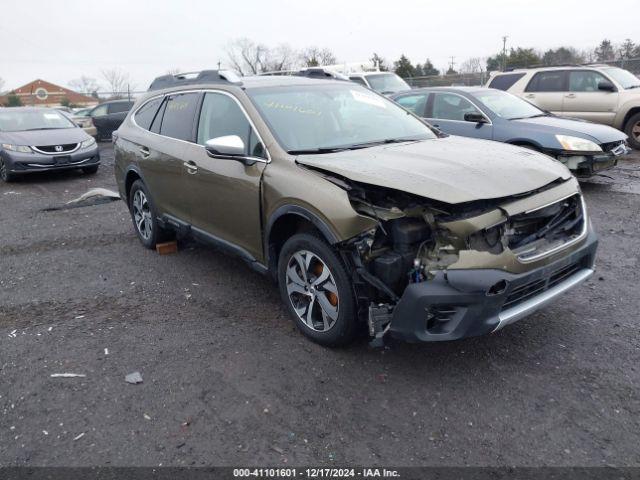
(585, 148)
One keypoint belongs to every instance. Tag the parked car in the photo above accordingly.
(386, 83)
(360, 211)
(43, 139)
(108, 116)
(599, 93)
(83, 122)
(584, 147)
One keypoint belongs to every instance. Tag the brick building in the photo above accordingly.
(41, 93)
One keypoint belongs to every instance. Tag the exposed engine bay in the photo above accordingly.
(417, 238)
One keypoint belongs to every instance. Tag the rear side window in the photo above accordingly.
(505, 82)
(552, 81)
(179, 115)
(415, 103)
(145, 115)
(221, 116)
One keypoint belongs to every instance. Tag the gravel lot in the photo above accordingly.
(229, 381)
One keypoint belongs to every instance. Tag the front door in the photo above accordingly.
(446, 111)
(585, 100)
(224, 193)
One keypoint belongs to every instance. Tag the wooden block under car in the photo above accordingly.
(167, 248)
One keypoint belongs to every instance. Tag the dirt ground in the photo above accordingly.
(229, 381)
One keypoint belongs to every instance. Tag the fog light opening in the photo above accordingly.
(497, 288)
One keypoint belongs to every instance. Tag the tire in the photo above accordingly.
(92, 170)
(5, 174)
(632, 129)
(145, 217)
(323, 287)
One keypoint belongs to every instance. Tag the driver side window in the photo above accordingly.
(222, 116)
(449, 106)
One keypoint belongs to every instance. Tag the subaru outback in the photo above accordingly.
(361, 212)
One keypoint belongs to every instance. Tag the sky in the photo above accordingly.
(60, 40)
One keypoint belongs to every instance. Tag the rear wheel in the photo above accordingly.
(632, 129)
(144, 216)
(316, 289)
(5, 174)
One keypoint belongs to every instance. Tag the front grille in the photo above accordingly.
(524, 292)
(607, 147)
(56, 149)
(534, 234)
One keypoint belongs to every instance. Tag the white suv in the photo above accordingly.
(599, 93)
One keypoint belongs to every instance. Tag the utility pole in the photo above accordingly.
(218, 64)
(504, 53)
(452, 63)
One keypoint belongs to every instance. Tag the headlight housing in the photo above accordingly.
(88, 143)
(17, 148)
(577, 144)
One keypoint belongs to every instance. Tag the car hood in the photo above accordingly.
(451, 170)
(45, 137)
(570, 126)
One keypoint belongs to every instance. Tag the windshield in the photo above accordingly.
(334, 116)
(625, 78)
(22, 120)
(506, 105)
(387, 83)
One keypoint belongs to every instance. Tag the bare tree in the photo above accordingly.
(283, 57)
(315, 56)
(174, 71)
(246, 56)
(84, 84)
(473, 65)
(117, 81)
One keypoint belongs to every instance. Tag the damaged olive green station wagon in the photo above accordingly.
(362, 213)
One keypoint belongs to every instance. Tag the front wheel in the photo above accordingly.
(632, 129)
(5, 174)
(144, 216)
(92, 170)
(316, 289)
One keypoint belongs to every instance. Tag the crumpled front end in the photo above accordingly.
(432, 271)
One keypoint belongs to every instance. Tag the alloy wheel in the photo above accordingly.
(635, 131)
(3, 170)
(312, 291)
(142, 214)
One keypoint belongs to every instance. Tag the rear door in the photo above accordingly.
(547, 89)
(116, 113)
(414, 102)
(585, 100)
(224, 193)
(162, 153)
(446, 111)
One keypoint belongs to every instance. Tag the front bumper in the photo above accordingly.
(584, 166)
(466, 303)
(36, 162)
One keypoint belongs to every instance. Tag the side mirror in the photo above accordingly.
(229, 146)
(475, 117)
(606, 86)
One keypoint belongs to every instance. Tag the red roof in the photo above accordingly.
(43, 93)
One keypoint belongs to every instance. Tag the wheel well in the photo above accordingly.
(628, 116)
(282, 229)
(524, 143)
(131, 177)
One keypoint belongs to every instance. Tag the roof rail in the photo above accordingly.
(309, 72)
(195, 78)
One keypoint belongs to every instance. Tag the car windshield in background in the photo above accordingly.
(24, 120)
(330, 117)
(506, 105)
(387, 83)
(625, 78)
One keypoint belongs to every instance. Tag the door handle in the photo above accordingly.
(530, 95)
(144, 151)
(570, 95)
(191, 167)
(435, 125)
